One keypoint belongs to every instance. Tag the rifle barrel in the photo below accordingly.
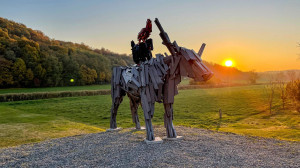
(159, 25)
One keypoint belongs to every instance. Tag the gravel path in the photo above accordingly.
(200, 148)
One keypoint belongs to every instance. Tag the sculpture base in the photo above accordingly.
(157, 140)
(142, 128)
(173, 139)
(113, 130)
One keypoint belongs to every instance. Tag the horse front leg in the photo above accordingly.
(147, 108)
(134, 104)
(147, 115)
(149, 128)
(168, 120)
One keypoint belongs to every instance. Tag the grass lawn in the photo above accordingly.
(54, 89)
(244, 112)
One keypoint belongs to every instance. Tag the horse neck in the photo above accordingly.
(168, 61)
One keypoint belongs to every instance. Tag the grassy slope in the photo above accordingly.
(244, 112)
(54, 89)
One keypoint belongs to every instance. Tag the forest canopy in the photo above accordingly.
(28, 58)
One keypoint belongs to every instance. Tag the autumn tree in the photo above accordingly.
(29, 77)
(39, 73)
(10, 55)
(269, 90)
(6, 76)
(280, 79)
(29, 52)
(53, 70)
(19, 71)
(293, 93)
(102, 76)
(88, 75)
(71, 70)
(283, 93)
(253, 76)
(108, 76)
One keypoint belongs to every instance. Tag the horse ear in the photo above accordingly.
(176, 47)
(132, 44)
(201, 49)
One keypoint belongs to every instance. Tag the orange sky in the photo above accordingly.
(256, 34)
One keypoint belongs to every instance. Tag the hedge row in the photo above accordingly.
(47, 95)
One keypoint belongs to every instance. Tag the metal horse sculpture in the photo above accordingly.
(156, 80)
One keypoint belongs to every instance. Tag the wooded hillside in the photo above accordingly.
(28, 58)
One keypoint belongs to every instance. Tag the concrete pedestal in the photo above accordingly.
(157, 140)
(173, 139)
(142, 128)
(113, 130)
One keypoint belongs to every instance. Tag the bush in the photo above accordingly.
(293, 93)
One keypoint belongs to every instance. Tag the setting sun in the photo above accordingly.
(228, 63)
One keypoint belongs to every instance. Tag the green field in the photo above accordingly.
(54, 89)
(244, 112)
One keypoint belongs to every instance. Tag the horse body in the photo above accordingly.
(143, 85)
(153, 81)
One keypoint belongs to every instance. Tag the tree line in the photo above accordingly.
(28, 58)
(286, 87)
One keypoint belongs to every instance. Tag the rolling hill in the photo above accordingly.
(28, 58)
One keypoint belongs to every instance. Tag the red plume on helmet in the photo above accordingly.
(145, 32)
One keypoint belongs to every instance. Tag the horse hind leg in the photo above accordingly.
(114, 111)
(134, 104)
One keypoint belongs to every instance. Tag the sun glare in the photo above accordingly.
(228, 63)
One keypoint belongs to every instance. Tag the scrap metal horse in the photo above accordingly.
(156, 80)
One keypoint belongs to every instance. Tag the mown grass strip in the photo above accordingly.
(48, 95)
(54, 89)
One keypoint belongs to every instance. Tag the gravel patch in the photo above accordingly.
(199, 148)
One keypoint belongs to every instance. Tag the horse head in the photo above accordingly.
(188, 63)
(191, 64)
